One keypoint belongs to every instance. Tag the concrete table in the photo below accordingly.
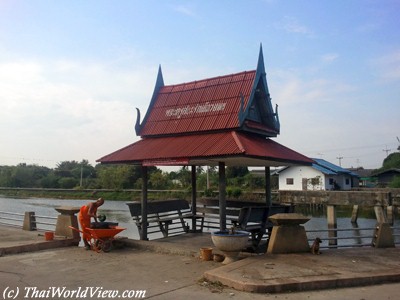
(288, 236)
(66, 218)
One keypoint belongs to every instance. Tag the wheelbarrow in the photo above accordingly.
(101, 239)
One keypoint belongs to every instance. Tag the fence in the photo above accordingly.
(27, 221)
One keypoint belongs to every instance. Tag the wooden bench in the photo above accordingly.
(167, 216)
(208, 208)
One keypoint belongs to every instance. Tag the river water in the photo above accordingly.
(118, 211)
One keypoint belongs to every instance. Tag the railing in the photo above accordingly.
(335, 240)
(45, 218)
(28, 220)
(6, 217)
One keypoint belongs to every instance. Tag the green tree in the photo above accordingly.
(115, 176)
(233, 172)
(159, 181)
(392, 161)
(185, 177)
(5, 176)
(26, 176)
(68, 182)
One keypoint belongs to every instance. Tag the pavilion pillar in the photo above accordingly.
(194, 200)
(143, 230)
(222, 196)
(268, 198)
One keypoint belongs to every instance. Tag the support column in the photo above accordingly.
(390, 214)
(143, 231)
(222, 196)
(380, 215)
(268, 198)
(194, 196)
(332, 224)
(354, 214)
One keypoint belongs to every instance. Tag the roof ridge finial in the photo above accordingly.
(160, 79)
(260, 63)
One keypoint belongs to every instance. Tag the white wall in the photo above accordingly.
(298, 173)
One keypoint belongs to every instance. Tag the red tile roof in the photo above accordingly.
(199, 106)
(201, 149)
(204, 122)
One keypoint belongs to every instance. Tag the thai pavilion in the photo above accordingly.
(222, 121)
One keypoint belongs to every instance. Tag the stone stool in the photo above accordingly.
(67, 218)
(288, 236)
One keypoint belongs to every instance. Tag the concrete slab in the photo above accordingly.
(301, 272)
(170, 269)
(14, 240)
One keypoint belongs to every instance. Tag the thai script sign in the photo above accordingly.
(195, 109)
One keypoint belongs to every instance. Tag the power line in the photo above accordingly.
(348, 148)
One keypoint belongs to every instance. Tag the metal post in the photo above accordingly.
(143, 231)
(194, 200)
(268, 198)
(222, 196)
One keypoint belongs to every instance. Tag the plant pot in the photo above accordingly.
(230, 244)
(49, 235)
(206, 254)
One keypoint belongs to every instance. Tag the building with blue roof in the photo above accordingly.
(321, 175)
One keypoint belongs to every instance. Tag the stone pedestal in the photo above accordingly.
(29, 221)
(67, 218)
(383, 236)
(288, 236)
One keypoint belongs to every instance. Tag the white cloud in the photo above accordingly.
(289, 87)
(291, 25)
(329, 57)
(66, 110)
(388, 66)
(185, 10)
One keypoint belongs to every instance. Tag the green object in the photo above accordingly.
(101, 218)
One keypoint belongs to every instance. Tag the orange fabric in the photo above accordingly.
(84, 220)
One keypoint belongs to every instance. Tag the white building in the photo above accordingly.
(322, 175)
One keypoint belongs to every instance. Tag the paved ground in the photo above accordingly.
(172, 270)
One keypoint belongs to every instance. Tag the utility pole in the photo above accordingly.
(208, 178)
(81, 174)
(340, 160)
(387, 151)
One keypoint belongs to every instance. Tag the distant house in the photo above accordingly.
(321, 175)
(386, 176)
(365, 177)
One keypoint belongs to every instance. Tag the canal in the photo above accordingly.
(117, 211)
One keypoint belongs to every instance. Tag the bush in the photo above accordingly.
(234, 192)
(395, 182)
(68, 182)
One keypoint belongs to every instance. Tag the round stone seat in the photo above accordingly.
(288, 219)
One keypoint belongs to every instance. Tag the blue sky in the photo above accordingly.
(72, 72)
